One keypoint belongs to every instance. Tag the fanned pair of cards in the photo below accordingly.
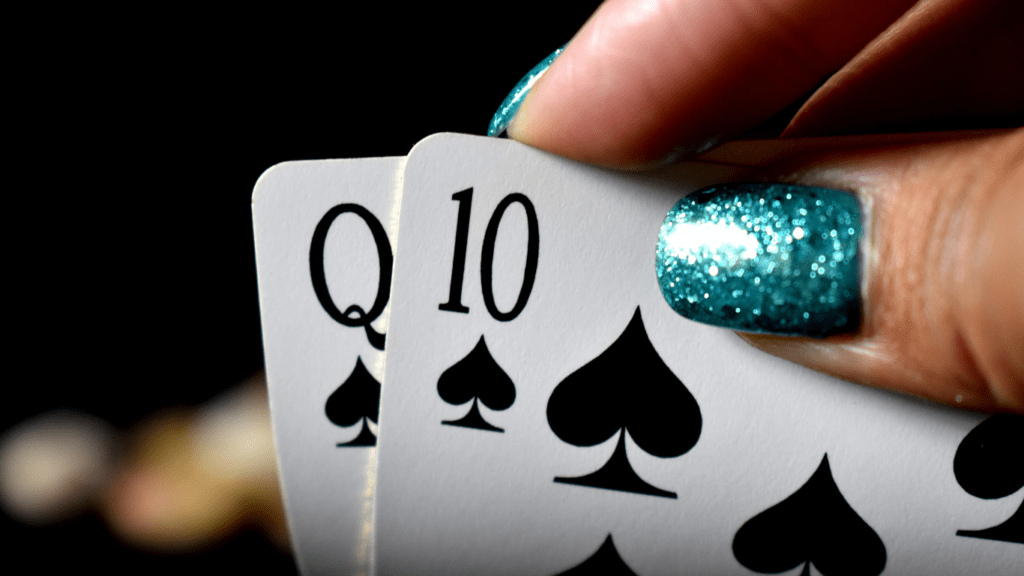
(472, 370)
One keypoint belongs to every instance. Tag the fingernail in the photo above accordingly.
(510, 106)
(768, 258)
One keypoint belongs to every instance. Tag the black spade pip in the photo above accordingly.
(989, 464)
(627, 388)
(605, 562)
(476, 377)
(358, 398)
(815, 525)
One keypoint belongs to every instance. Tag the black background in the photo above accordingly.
(138, 137)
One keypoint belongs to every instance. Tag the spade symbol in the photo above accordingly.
(358, 398)
(476, 377)
(988, 465)
(605, 562)
(814, 525)
(627, 388)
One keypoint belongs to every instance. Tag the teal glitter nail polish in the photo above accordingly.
(769, 258)
(510, 106)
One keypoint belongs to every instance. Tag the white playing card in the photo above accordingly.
(517, 271)
(325, 233)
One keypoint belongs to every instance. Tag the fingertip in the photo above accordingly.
(585, 108)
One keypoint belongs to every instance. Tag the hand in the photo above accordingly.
(644, 83)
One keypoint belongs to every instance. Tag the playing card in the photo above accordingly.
(325, 234)
(545, 410)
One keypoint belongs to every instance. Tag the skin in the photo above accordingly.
(646, 82)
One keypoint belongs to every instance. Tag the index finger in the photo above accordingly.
(646, 80)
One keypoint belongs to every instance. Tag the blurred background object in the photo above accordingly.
(183, 479)
(54, 466)
(192, 478)
(130, 270)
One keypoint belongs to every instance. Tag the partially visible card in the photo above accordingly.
(325, 233)
(546, 410)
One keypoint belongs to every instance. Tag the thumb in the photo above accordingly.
(940, 309)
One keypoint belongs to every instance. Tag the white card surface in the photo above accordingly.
(457, 496)
(323, 365)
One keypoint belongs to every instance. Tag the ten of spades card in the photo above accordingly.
(545, 411)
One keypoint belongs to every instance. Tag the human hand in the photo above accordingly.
(942, 293)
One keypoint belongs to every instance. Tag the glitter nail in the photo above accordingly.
(769, 258)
